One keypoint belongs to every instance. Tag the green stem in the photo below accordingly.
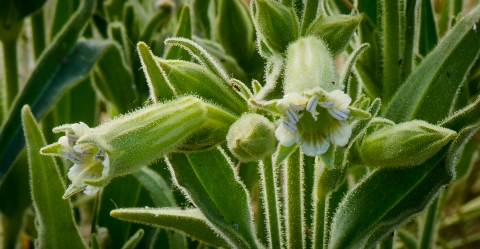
(319, 222)
(38, 33)
(391, 53)
(408, 239)
(271, 204)
(431, 222)
(10, 70)
(387, 242)
(309, 15)
(294, 211)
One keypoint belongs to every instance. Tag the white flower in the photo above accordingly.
(325, 123)
(89, 161)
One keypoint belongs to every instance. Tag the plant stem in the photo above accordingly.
(319, 222)
(38, 33)
(387, 242)
(271, 205)
(294, 211)
(10, 70)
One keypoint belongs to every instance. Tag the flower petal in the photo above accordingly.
(291, 98)
(340, 133)
(284, 136)
(80, 129)
(340, 99)
(315, 147)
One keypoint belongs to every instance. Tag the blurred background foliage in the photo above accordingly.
(76, 61)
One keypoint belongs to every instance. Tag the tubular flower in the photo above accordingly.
(313, 121)
(89, 161)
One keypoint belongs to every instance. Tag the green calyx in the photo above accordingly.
(251, 138)
(406, 144)
(275, 23)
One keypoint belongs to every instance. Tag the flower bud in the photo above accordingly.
(276, 24)
(310, 66)
(191, 78)
(251, 138)
(335, 31)
(124, 144)
(405, 144)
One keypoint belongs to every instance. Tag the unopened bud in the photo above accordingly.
(406, 144)
(251, 138)
(276, 24)
(310, 66)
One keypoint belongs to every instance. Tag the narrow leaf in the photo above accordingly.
(157, 83)
(191, 222)
(134, 240)
(57, 228)
(184, 29)
(45, 74)
(430, 90)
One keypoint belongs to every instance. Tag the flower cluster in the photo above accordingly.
(325, 121)
(89, 161)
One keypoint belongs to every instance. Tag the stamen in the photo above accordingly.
(292, 116)
(289, 126)
(339, 115)
(297, 107)
(72, 139)
(328, 104)
(312, 103)
(100, 156)
(74, 158)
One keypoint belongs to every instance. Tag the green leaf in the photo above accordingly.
(162, 196)
(158, 21)
(336, 31)
(309, 14)
(113, 78)
(15, 193)
(428, 30)
(191, 78)
(156, 186)
(464, 117)
(410, 26)
(113, 9)
(188, 180)
(190, 222)
(120, 192)
(159, 87)
(430, 90)
(392, 38)
(134, 240)
(47, 81)
(202, 17)
(184, 29)
(348, 66)
(62, 12)
(234, 29)
(405, 193)
(15, 11)
(57, 228)
(367, 67)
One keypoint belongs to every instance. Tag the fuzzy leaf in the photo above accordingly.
(190, 222)
(184, 29)
(57, 228)
(61, 65)
(188, 180)
(134, 240)
(430, 90)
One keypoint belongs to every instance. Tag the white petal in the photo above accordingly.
(80, 129)
(291, 98)
(284, 136)
(315, 147)
(340, 133)
(91, 190)
(340, 99)
(327, 104)
(106, 165)
(63, 140)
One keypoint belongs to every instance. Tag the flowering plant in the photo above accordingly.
(241, 124)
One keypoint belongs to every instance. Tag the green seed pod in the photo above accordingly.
(251, 138)
(335, 31)
(406, 144)
(276, 24)
(310, 66)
